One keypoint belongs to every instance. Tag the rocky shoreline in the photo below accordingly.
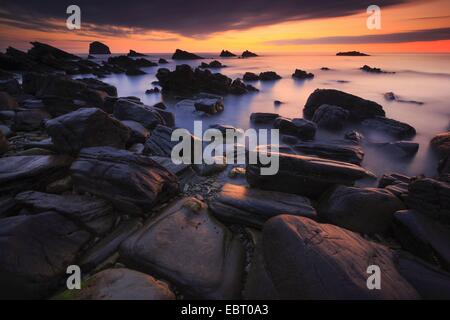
(86, 179)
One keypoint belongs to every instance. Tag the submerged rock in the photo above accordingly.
(391, 127)
(251, 207)
(358, 108)
(262, 117)
(330, 117)
(162, 61)
(185, 55)
(351, 54)
(302, 75)
(301, 128)
(213, 64)
(133, 53)
(333, 151)
(366, 68)
(97, 47)
(399, 149)
(189, 248)
(209, 106)
(268, 76)
(250, 76)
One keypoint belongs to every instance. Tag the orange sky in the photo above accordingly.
(403, 18)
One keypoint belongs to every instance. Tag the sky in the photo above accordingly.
(281, 26)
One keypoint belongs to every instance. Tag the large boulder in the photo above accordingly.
(333, 151)
(248, 54)
(86, 127)
(139, 134)
(133, 183)
(269, 76)
(263, 117)
(302, 75)
(30, 119)
(184, 55)
(120, 284)
(95, 215)
(190, 249)
(160, 142)
(149, 117)
(36, 250)
(31, 172)
(358, 108)
(301, 259)
(390, 127)
(227, 54)
(304, 175)
(441, 143)
(363, 210)
(301, 128)
(97, 47)
(251, 207)
(330, 117)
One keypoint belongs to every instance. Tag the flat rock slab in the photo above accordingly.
(132, 183)
(364, 210)
(36, 251)
(338, 152)
(252, 207)
(300, 128)
(306, 260)
(390, 127)
(96, 215)
(120, 284)
(190, 249)
(149, 117)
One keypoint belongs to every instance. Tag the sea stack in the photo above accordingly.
(97, 47)
(248, 54)
(185, 55)
(227, 54)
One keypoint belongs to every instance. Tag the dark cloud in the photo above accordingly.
(186, 17)
(413, 36)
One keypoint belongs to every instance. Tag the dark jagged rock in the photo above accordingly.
(441, 143)
(391, 127)
(399, 149)
(250, 76)
(40, 49)
(46, 243)
(251, 207)
(423, 236)
(430, 197)
(42, 85)
(359, 108)
(390, 96)
(302, 75)
(206, 260)
(248, 54)
(132, 183)
(149, 117)
(138, 133)
(306, 176)
(30, 120)
(86, 127)
(93, 214)
(330, 117)
(352, 54)
(261, 117)
(269, 76)
(160, 105)
(133, 53)
(396, 183)
(97, 47)
(366, 68)
(325, 69)
(301, 128)
(134, 72)
(213, 64)
(7, 102)
(227, 54)
(301, 259)
(354, 136)
(153, 90)
(131, 64)
(185, 55)
(363, 210)
(162, 61)
(120, 284)
(332, 151)
(160, 143)
(96, 84)
(185, 81)
(209, 106)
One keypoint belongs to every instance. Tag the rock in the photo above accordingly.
(162, 61)
(396, 183)
(96, 84)
(238, 87)
(139, 134)
(423, 236)
(213, 64)
(10, 86)
(97, 47)
(330, 117)
(86, 127)
(399, 149)
(133, 53)
(325, 69)
(359, 108)
(34, 152)
(261, 117)
(31, 172)
(190, 249)
(302, 75)
(120, 284)
(352, 54)
(363, 210)
(227, 54)
(301, 128)
(277, 103)
(46, 243)
(60, 186)
(149, 117)
(134, 72)
(332, 151)
(251, 207)
(132, 183)
(354, 136)
(218, 165)
(430, 197)
(441, 143)
(248, 54)
(210, 106)
(108, 245)
(301, 259)
(5, 131)
(185, 55)
(390, 96)
(130, 65)
(236, 172)
(160, 142)
(42, 85)
(30, 120)
(394, 128)
(92, 214)
(366, 68)
(268, 76)
(153, 90)
(7, 102)
(306, 176)
(250, 76)
(160, 105)
(7, 206)
(4, 144)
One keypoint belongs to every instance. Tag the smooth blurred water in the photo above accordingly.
(424, 77)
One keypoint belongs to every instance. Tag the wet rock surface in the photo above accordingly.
(333, 151)
(301, 128)
(396, 129)
(330, 117)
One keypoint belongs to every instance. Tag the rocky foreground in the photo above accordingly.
(86, 179)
